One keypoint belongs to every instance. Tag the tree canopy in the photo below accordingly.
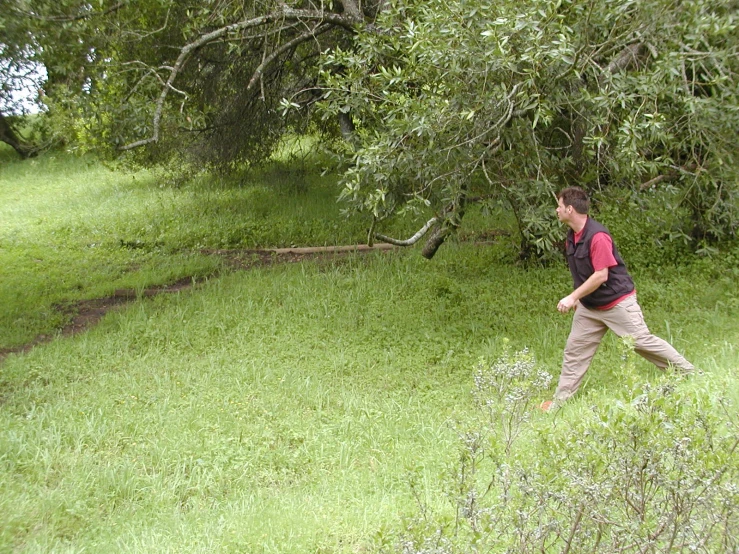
(515, 100)
(442, 103)
(165, 77)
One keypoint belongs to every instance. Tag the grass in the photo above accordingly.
(297, 408)
(70, 229)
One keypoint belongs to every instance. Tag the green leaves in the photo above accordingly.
(446, 101)
(607, 94)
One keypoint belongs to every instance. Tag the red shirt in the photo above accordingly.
(601, 256)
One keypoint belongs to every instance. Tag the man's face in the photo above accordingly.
(563, 212)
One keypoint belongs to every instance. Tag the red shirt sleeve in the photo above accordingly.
(601, 252)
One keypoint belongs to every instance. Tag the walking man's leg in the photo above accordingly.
(585, 336)
(626, 318)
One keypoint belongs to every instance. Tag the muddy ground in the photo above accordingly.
(84, 314)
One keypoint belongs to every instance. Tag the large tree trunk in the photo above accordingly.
(448, 227)
(8, 136)
(347, 126)
(434, 242)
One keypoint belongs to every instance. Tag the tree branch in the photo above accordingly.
(311, 33)
(690, 168)
(630, 56)
(8, 136)
(656, 181)
(284, 14)
(411, 241)
(573, 529)
(435, 241)
(449, 226)
(352, 9)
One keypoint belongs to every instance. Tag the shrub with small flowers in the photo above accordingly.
(655, 470)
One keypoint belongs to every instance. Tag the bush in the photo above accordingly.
(653, 471)
(647, 228)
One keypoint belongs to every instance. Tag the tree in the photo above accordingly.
(18, 76)
(47, 51)
(445, 102)
(165, 78)
(510, 101)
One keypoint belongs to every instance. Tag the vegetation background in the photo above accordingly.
(376, 402)
(321, 406)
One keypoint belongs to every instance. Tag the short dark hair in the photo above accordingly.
(577, 198)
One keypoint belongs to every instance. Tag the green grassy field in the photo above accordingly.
(297, 408)
(70, 229)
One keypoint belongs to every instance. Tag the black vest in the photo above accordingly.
(619, 281)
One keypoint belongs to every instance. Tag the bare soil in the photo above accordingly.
(86, 313)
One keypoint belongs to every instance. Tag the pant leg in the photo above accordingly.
(585, 336)
(626, 318)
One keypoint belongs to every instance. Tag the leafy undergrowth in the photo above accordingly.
(649, 467)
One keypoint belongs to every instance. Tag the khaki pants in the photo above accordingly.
(588, 328)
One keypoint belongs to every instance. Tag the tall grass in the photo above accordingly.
(301, 408)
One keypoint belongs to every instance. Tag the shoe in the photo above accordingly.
(546, 405)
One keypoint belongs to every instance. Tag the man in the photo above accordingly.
(604, 298)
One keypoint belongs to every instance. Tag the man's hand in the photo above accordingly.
(566, 304)
(593, 282)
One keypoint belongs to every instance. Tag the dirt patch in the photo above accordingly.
(86, 313)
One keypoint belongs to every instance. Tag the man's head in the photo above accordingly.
(576, 198)
(573, 205)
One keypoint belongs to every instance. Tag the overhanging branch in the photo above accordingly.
(311, 33)
(411, 241)
(284, 14)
